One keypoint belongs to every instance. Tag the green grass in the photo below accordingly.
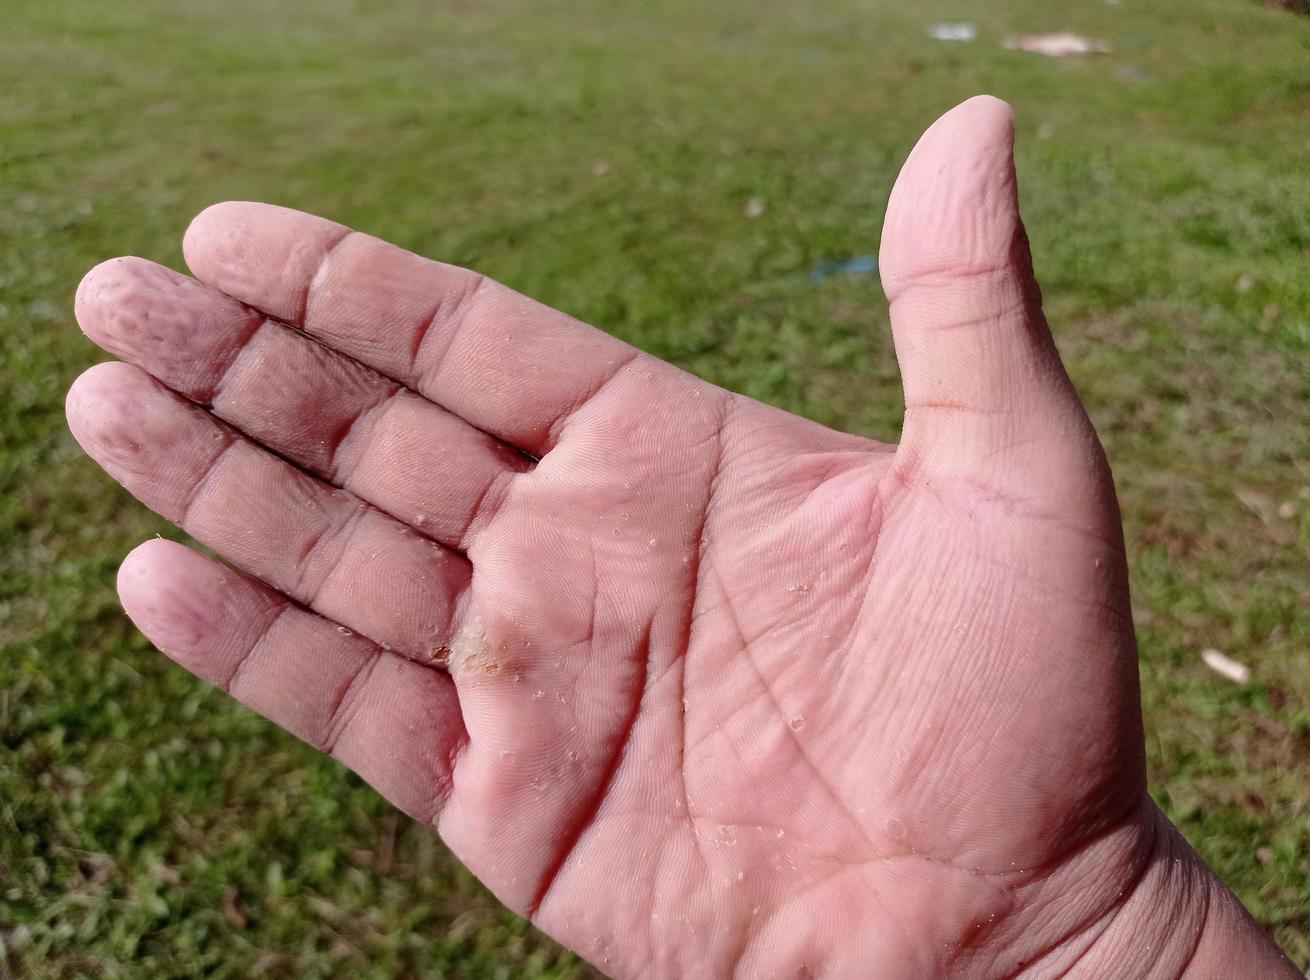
(601, 160)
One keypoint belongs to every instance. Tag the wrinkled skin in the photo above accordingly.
(698, 685)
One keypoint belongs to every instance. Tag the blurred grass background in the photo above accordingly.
(671, 171)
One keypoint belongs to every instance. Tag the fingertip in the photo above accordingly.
(982, 123)
(134, 308)
(136, 588)
(170, 593)
(136, 431)
(206, 219)
(228, 221)
(197, 240)
(103, 384)
(101, 290)
(259, 254)
(88, 292)
(155, 553)
(954, 208)
(988, 114)
(219, 213)
(94, 399)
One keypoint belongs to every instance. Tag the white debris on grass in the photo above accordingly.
(953, 32)
(1224, 666)
(1061, 45)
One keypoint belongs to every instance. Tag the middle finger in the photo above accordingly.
(320, 409)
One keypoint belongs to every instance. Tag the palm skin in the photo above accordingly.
(699, 686)
(782, 756)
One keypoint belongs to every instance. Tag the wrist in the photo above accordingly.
(1139, 902)
(1182, 921)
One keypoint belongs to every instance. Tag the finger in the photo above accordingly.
(395, 723)
(506, 364)
(323, 547)
(329, 414)
(985, 390)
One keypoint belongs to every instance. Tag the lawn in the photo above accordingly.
(671, 171)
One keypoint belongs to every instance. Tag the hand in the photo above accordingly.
(697, 685)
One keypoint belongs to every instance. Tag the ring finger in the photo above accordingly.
(325, 548)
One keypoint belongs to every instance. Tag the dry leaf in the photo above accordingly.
(232, 910)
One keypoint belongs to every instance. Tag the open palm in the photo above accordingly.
(696, 684)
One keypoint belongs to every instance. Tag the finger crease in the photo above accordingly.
(347, 703)
(320, 273)
(592, 807)
(451, 313)
(234, 677)
(345, 534)
(445, 787)
(948, 405)
(239, 348)
(563, 420)
(347, 429)
(949, 274)
(198, 490)
(487, 506)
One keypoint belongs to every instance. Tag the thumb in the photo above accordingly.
(985, 393)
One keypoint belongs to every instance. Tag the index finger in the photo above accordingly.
(506, 364)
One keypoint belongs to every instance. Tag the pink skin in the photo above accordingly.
(697, 685)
